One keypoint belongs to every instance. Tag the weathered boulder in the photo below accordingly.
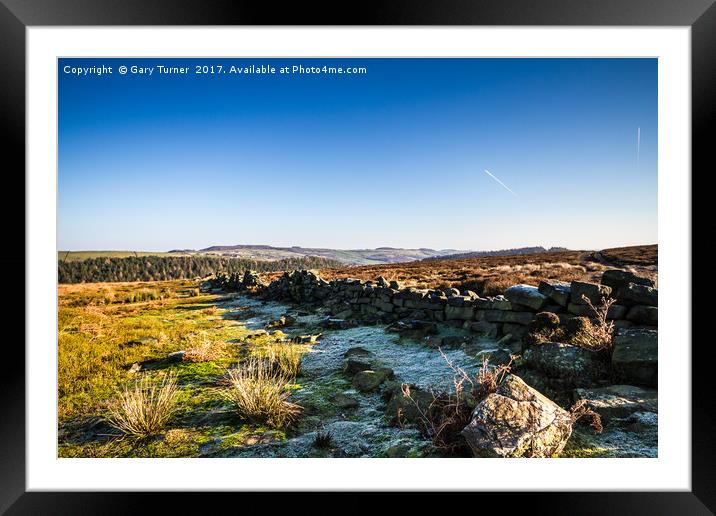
(618, 401)
(616, 279)
(642, 314)
(578, 366)
(344, 401)
(592, 291)
(357, 352)
(526, 295)
(370, 380)
(517, 421)
(557, 291)
(352, 366)
(635, 358)
(634, 294)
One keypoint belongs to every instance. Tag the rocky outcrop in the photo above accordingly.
(635, 356)
(618, 401)
(517, 421)
(572, 365)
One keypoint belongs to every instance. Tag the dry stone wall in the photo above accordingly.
(511, 313)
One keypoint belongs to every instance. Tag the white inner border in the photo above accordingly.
(670, 471)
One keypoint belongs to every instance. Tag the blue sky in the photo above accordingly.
(392, 157)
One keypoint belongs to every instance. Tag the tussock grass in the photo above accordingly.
(201, 348)
(259, 393)
(146, 408)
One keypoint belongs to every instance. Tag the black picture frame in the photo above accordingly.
(17, 15)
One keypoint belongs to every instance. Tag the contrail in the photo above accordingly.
(501, 183)
(638, 145)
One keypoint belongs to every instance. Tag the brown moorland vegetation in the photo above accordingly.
(491, 275)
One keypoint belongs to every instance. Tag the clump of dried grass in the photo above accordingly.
(145, 408)
(203, 349)
(259, 393)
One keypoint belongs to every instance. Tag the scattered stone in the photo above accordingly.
(352, 366)
(382, 282)
(636, 355)
(281, 322)
(135, 368)
(357, 352)
(305, 339)
(369, 380)
(517, 421)
(344, 401)
(526, 295)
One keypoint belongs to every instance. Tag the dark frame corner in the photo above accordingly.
(17, 15)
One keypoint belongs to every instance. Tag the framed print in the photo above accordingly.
(419, 253)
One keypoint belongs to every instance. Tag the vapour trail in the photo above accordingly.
(638, 145)
(501, 183)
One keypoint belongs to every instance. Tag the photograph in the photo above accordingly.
(379, 257)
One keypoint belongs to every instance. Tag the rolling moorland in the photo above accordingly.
(376, 256)
(397, 360)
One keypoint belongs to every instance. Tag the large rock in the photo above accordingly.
(618, 401)
(517, 421)
(617, 279)
(557, 291)
(577, 366)
(635, 358)
(367, 381)
(642, 314)
(592, 291)
(634, 294)
(526, 295)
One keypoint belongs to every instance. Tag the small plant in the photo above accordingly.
(323, 439)
(580, 409)
(144, 409)
(259, 393)
(596, 335)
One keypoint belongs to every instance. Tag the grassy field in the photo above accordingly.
(106, 328)
(491, 275)
(76, 256)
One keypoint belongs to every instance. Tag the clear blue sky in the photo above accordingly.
(393, 157)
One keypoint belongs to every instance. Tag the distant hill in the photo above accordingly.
(376, 256)
(501, 252)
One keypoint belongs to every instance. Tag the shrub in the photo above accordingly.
(450, 412)
(259, 393)
(146, 408)
(595, 335)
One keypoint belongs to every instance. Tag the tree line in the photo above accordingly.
(157, 268)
